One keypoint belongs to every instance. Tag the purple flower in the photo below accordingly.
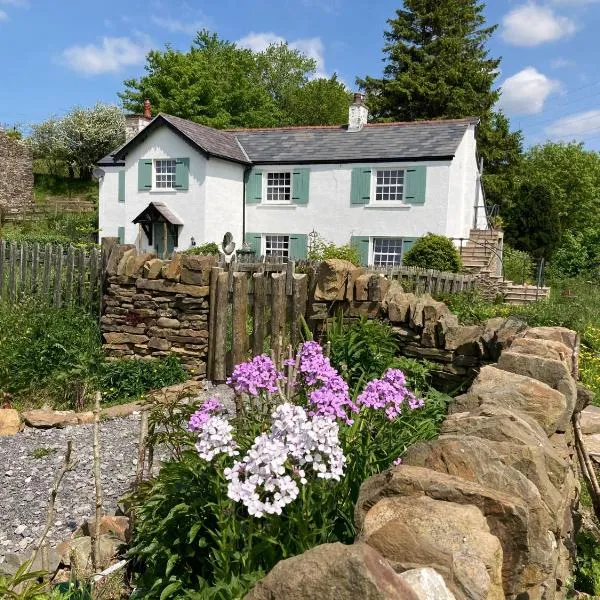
(389, 393)
(330, 396)
(255, 376)
(398, 461)
(208, 409)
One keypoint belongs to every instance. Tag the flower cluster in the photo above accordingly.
(255, 376)
(389, 393)
(215, 434)
(267, 478)
(330, 396)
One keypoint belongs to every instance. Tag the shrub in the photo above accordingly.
(127, 379)
(518, 266)
(205, 527)
(322, 250)
(434, 252)
(209, 248)
(587, 565)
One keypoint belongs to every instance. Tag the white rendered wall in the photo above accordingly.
(330, 213)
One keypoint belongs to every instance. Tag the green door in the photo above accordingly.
(158, 232)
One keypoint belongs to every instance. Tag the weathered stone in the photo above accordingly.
(490, 329)
(504, 335)
(45, 419)
(153, 268)
(351, 288)
(417, 303)
(171, 287)
(156, 343)
(396, 303)
(10, 422)
(135, 264)
(116, 255)
(16, 176)
(371, 310)
(590, 420)
(361, 287)
(544, 349)
(195, 269)
(117, 526)
(167, 322)
(427, 584)
(124, 338)
(585, 397)
(526, 557)
(405, 334)
(465, 339)
(453, 539)
(555, 373)
(333, 572)
(172, 269)
(76, 552)
(132, 252)
(416, 350)
(378, 287)
(429, 336)
(85, 418)
(333, 277)
(557, 334)
(517, 392)
(444, 323)
(433, 310)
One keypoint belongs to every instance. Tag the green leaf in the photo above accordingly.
(170, 589)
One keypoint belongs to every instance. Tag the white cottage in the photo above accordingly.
(379, 186)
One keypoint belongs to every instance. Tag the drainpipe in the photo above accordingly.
(246, 173)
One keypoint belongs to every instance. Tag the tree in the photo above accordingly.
(221, 85)
(48, 144)
(438, 67)
(533, 221)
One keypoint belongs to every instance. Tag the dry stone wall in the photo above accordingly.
(16, 176)
(488, 506)
(153, 308)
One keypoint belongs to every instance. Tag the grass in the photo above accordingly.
(42, 452)
(46, 186)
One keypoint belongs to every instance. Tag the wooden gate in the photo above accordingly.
(252, 314)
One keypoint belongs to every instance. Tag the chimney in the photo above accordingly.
(147, 109)
(358, 113)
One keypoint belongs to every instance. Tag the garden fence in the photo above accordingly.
(253, 312)
(51, 274)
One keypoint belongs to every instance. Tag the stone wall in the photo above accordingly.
(16, 176)
(488, 506)
(152, 308)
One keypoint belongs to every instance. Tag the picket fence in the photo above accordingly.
(50, 274)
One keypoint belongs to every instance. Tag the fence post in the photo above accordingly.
(278, 306)
(258, 325)
(12, 256)
(299, 301)
(239, 315)
(212, 315)
(58, 277)
(47, 268)
(35, 257)
(69, 282)
(221, 297)
(94, 263)
(2, 259)
(24, 250)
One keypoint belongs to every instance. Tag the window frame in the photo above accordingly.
(372, 253)
(373, 193)
(278, 235)
(265, 190)
(155, 188)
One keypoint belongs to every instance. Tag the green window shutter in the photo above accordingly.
(415, 182)
(362, 243)
(254, 187)
(121, 235)
(121, 186)
(182, 173)
(298, 246)
(407, 245)
(361, 186)
(300, 183)
(144, 175)
(254, 240)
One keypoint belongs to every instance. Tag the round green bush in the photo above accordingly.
(434, 252)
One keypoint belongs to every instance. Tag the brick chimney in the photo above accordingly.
(147, 109)
(135, 123)
(358, 113)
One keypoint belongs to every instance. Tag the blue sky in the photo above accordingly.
(59, 53)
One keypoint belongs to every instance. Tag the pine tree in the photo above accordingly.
(438, 67)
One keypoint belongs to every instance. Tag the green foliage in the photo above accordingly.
(42, 452)
(533, 221)
(126, 379)
(209, 248)
(322, 250)
(30, 585)
(577, 255)
(587, 572)
(518, 266)
(222, 85)
(361, 351)
(47, 185)
(434, 251)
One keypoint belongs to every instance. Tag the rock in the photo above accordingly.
(153, 268)
(517, 392)
(171, 287)
(557, 334)
(116, 255)
(333, 277)
(85, 418)
(361, 287)
(427, 584)
(172, 268)
(504, 335)
(117, 526)
(544, 349)
(592, 444)
(195, 268)
(76, 552)
(453, 539)
(555, 373)
(45, 419)
(135, 264)
(132, 252)
(351, 290)
(398, 303)
(465, 339)
(10, 422)
(444, 323)
(585, 397)
(428, 335)
(378, 287)
(527, 552)
(590, 420)
(333, 572)
(416, 318)
(115, 337)
(169, 323)
(433, 310)
(490, 330)
(157, 343)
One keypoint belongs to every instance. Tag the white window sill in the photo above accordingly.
(163, 191)
(276, 205)
(387, 205)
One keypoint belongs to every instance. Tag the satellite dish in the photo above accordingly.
(228, 244)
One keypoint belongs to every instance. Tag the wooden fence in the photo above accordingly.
(251, 313)
(51, 274)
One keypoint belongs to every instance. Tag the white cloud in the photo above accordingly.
(526, 92)
(3, 16)
(177, 26)
(562, 63)
(108, 57)
(531, 24)
(576, 125)
(311, 47)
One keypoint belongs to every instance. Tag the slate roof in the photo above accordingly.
(419, 140)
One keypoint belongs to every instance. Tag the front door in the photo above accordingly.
(162, 232)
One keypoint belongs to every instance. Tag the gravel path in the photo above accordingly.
(26, 477)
